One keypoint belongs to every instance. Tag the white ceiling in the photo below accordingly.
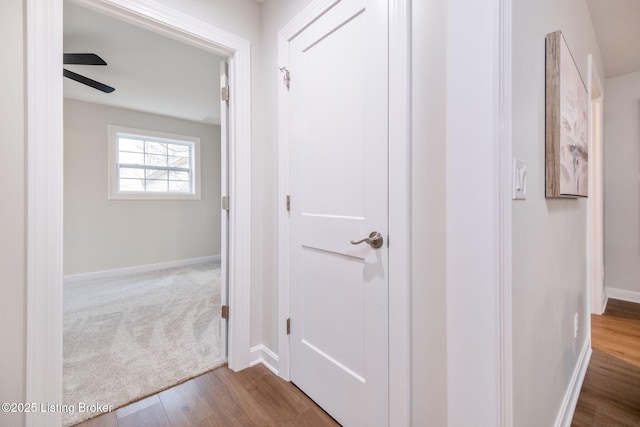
(617, 27)
(150, 72)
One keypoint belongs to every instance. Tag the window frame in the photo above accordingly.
(114, 132)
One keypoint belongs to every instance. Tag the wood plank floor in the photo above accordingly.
(610, 394)
(253, 397)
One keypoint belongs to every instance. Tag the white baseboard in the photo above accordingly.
(624, 295)
(262, 354)
(605, 301)
(568, 407)
(106, 274)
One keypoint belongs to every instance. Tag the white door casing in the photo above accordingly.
(224, 206)
(339, 193)
(595, 217)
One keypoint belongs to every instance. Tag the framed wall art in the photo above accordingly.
(566, 122)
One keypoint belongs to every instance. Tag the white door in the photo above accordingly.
(338, 134)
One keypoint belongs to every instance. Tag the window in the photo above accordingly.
(146, 164)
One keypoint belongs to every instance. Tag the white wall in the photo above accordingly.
(622, 186)
(102, 234)
(12, 212)
(549, 235)
(239, 17)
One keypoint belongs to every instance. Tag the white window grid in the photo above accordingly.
(156, 170)
(190, 169)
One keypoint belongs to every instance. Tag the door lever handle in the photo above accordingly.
(374, 240)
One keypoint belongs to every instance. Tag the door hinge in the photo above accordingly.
(288, 203)
(225, 203)
(286, 77)
(224, 93)
(224, 312)
(288, 326)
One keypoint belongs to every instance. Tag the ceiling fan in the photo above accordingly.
(85, 59)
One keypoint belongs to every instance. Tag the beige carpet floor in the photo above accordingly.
(132, 336)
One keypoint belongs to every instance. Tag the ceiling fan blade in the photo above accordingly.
(82, 59)
(87, 81)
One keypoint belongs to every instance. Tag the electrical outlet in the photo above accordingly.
(575, 325)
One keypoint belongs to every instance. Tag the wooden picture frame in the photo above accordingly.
(567, 124)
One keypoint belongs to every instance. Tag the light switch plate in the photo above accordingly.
(519, 179)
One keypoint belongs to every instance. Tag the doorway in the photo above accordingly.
(44, 145)
(142, 262)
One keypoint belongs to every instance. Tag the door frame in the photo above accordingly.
(45, 181)
(596, 295)
(399, 199)
(503, 77)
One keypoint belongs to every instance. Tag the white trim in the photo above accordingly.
(568, 406)
(239, 255)
(169, 22)
(224, 217)
(283, 215)
(44, 208)
(400, 212)
(44, 177)
(505, 229)
(262, 354)
(622, 294)
(114, 132)
(117, 272)
(595, 230)
(399, 199)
